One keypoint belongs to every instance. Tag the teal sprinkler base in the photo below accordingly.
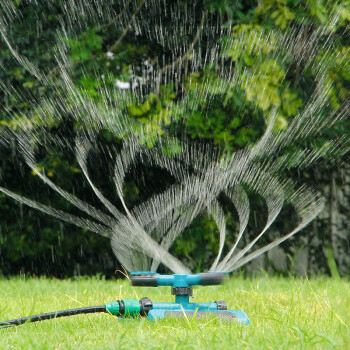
(182, 289)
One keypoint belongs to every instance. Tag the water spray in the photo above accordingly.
(181, 287)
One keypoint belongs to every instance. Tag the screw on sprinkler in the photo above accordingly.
(182, 289)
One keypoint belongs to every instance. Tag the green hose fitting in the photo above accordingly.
(132, 307)
(124, 308)
(113, 308)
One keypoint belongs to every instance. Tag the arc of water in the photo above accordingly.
(262, 182)
(168, 232)
(240, 200)
(145, 243)
(138, 239)
(264, 143)
(314, 211)
(22, 60)
(148, 245)
(72, 219)
(176, 196)
(177, 228)
(87, 208)
(219, 217)
(123, 161)
(172, 234)
(82, 149)
(274, 205)
(165, 203)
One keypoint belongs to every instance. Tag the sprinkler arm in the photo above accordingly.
(153, 279)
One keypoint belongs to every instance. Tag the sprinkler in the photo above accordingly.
(132, 308)
(182, 289)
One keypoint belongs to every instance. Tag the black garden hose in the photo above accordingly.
(55, 314)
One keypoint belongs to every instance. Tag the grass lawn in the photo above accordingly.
(284, 314)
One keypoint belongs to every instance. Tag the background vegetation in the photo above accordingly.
(31, 242)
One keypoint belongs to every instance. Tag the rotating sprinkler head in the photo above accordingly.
(132, 308)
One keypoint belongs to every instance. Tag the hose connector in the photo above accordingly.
(129, 307)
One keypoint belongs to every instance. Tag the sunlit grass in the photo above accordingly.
(284, 314)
